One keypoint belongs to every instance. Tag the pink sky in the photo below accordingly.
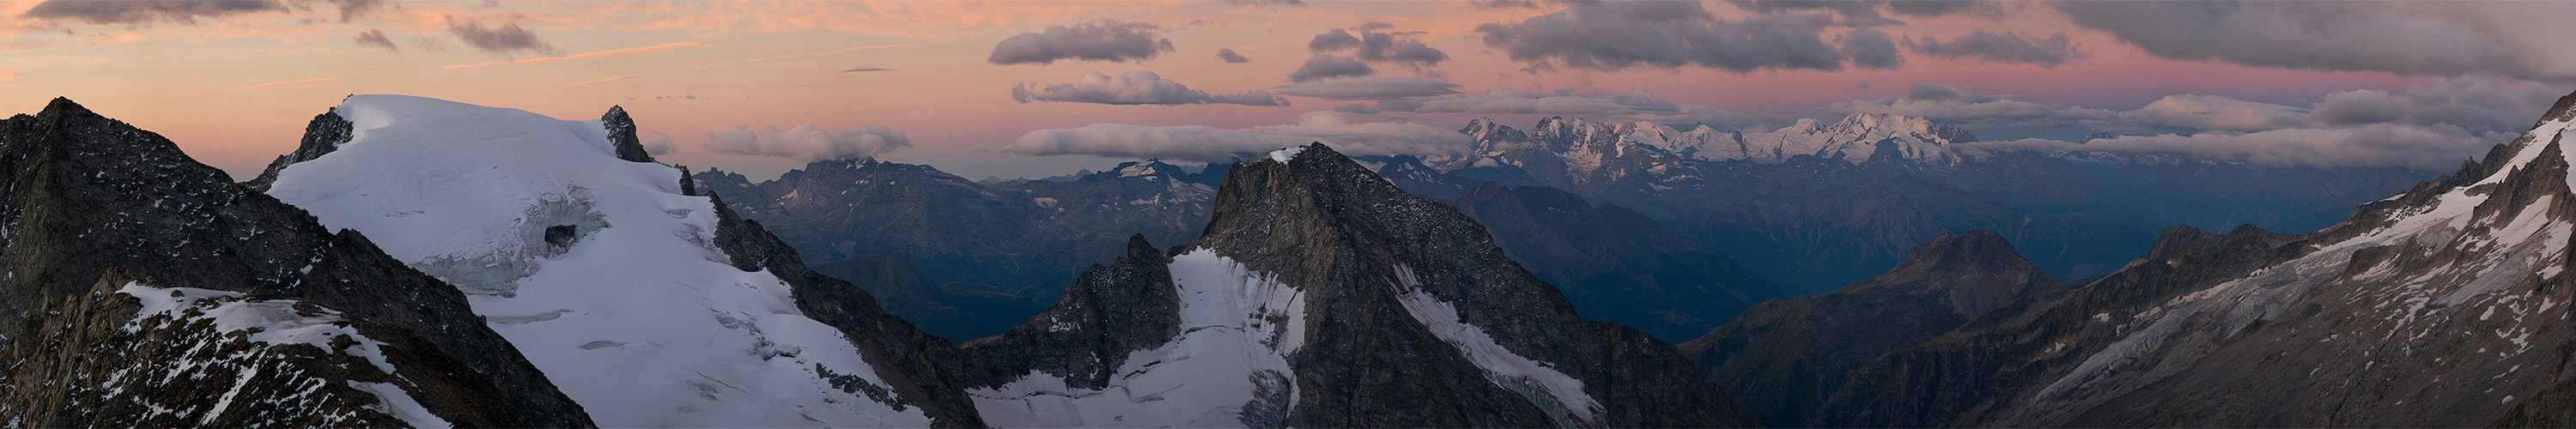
(235, 90)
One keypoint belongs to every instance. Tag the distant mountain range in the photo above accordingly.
(1709, 222)
(424, 263)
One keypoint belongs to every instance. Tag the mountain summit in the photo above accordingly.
(650, 306)
(1321, 295)
(146, 289)
(2443, 306)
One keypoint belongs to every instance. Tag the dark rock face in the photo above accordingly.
(921, 369)
(1338, 233)
(621, 132)
(1782, 359)
(325, 134)
(1114, 309)
(92, 203)
(1366, 257)
(949, 311)
(1614, 264)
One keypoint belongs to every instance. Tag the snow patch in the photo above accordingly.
(637, 316)
(279, 321)
(1228, 368)
(1561, 396)
(1283, 155)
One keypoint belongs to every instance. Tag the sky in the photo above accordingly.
(1040, 88)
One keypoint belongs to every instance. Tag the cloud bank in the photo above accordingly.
(2005, 47)
(1330, 66)
(1621, 35)
(1136, 87)
(2519, 39)
(807, 142)
(1105, 40)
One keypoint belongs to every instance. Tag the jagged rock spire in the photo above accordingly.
(324, 134)
(621, 131)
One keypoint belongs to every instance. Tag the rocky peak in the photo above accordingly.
(621, 132)
(1564, 127)
(325, 133)
(1978, 271)
(1152, 169)
(1085, 337)
(1487, 129)
(1335, 231)
(107, 215)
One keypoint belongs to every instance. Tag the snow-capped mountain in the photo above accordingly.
(2447, 305)
(649, 306)
(144, 289)
(1590, 154)
(1324, 296)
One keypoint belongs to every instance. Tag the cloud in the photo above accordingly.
(1335, 40)
(588, 55)
(1871, 49)
(1621, 35)
(606, 80)
(807, 142)
(657, 144)
(2376, 145)
(2478, 104)
(1106, 40)
(865, 69)
(2519, 39)
(1373, 46)
(144, 11)
(2428, 127)
(1933, 101)
(2005, 47)
(351, 9)
(7, 74)
(1358, 109)
(376, 38)
(781, 57)
(1330, 66)
(1368, 88)
(1136, 87)
(498, 39)
(1866, 12)
(1211, 144)
(1594, 102)
(1230, 57)
(2216, 113)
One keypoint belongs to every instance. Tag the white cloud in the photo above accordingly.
(807, 142)
(1136, 87)
(2376, 145)
(1368, 88)
(657, 144)
(2216, 113)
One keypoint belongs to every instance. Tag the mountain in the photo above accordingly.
(1781, 359)
(146, 289)
(996, 252)
(2442, 306)
(649, 306)
(1321, 295)
(1822, 204)
(1614, 264)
